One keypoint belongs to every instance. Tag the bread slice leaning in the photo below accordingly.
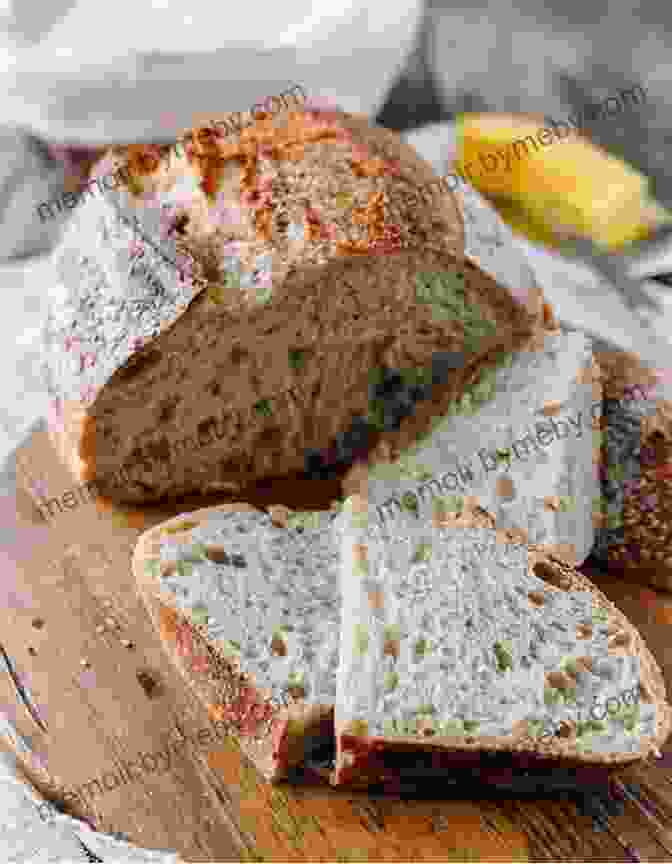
(249, 613)
(520, 440)
(464, 643)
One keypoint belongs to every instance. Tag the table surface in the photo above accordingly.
(106, 702)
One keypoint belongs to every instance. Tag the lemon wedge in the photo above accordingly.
(550, 183)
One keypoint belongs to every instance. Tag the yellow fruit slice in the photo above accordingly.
(549, 183)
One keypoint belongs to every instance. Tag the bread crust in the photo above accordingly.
(635, 521)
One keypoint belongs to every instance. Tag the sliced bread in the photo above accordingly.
(247, 606)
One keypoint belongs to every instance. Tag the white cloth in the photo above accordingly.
(139, 69)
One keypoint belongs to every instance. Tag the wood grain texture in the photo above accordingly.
(207, 802)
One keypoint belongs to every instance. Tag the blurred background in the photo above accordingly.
(508, 56)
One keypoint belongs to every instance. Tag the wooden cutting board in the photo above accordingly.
(112, 702)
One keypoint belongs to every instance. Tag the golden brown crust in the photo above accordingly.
(216, 159)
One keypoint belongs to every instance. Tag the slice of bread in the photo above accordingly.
(462, 640)
(249, 612)
(520, 441)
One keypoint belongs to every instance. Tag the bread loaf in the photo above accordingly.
(459, 640)
(218, 320)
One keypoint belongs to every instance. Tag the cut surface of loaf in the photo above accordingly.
(460, 640)
(250, 612)
(519, 441)
(220, 320)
